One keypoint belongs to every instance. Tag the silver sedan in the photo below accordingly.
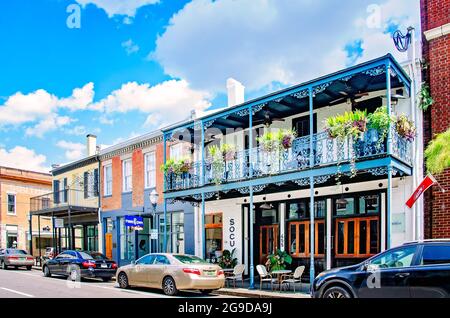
(12, 257)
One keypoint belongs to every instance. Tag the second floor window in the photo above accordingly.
(12, 204)
(177, 151)
(150, 170)
(127, 175)
(108, 180)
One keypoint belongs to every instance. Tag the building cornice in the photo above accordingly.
(75, 165)
(437, 32)
(25, 179)
(131, 147)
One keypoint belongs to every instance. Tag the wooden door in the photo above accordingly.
(268, 241)
(108, 245)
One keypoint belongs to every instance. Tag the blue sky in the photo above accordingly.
(136, 65)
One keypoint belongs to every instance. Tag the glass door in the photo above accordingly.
(268, 241)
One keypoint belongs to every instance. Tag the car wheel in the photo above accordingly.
(4, 266)
(47, 272)
(74, 273)
(106, 279)
(169, 286)
(206, 291)
(122, 279)
(336, 292)
(29, 268)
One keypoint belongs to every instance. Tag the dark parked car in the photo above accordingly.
(76, 265)
(416, 269)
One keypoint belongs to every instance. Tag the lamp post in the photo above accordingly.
(154, 201)
(30, 232)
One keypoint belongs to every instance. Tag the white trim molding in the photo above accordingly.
(437, 32)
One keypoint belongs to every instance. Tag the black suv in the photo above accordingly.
(416, 269)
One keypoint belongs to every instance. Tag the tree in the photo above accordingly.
(437, 153)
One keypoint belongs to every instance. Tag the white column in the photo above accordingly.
(197, 236)
(246, 240)
(383, 222)
(329, 234)
(282, 225)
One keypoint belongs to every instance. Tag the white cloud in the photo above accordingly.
(166, 102)
(73, 151)
(49, 123)
(23, 158)
(41, 105)
(130, 47)
(263, 41)
(118, 7)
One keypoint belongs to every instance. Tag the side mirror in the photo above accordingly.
(371, 267)
(133, 263)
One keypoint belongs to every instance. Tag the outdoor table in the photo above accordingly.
(280, 273)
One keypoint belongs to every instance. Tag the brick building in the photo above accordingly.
(130, 172)
(17, 186)
(435, 18)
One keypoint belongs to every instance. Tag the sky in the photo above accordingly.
(118, 69)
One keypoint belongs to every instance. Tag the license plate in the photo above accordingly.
(22, 259)
(104, 266)
(210, 273)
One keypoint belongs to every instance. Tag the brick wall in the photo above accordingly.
(113, 202)
(138, 178)
(435, 13)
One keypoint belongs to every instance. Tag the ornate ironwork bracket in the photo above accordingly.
(376, 71)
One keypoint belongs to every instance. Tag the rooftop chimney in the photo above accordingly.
(91, 145)
(235, 92)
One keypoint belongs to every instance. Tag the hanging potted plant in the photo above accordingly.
(379, 121)
(228, 152)
(268, 141)
(169, 170)
(286, 137)
(405, 128)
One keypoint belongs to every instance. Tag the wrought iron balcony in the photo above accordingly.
(63, 199)
(326, 151)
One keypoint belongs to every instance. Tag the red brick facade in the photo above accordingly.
(435, 13)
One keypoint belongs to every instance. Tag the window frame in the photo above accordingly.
(306, 223)
(150, 174)
(125, 185)
(15, 204)
(107, 180)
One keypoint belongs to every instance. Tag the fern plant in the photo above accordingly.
(437, 153)
(424, 97)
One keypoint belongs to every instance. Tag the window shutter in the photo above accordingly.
(85, 184)
(96, 183)
(56, 191)
(65, 189)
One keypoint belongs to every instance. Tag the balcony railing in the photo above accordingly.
(63, 198)
(326, 151)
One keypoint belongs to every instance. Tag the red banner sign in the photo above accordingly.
(423, 186)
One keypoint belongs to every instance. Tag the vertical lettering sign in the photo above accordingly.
(232, 235)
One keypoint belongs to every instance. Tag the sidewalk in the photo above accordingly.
(266, 292)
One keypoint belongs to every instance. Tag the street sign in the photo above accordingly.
(154, 234)
(136, 222)
(59, 223)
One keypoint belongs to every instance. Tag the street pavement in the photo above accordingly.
(21, 283)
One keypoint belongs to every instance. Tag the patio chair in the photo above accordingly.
(264, 276)
(294, 278)
(238, 274)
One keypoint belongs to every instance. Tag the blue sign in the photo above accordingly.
(136, 222)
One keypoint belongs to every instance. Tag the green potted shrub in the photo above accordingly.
(268, 141)
(278, 261)
(169, 170)
(379, 121)
(228, 260)
(405, 128)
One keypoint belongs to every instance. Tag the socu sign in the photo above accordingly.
(136, 222)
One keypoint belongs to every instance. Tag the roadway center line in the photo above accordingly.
(16, 292)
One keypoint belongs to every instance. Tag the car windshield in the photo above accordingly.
(97, 256)
(85, 255)
(14, 251)
(188, 259)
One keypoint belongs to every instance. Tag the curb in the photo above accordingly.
(256, 295)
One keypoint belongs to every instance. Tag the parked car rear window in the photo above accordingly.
(187, 259)
(85, 255)
(97, 256)
(436, 254)
(16, 252)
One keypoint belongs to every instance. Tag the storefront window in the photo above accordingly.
(369, 204)
(214, 233)
(300, 209)
(127, 238)
(178, 233)
(144, 241)
(92, 237)
(357, 237)
(299, 238)
(11, 234)
(347, 208)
